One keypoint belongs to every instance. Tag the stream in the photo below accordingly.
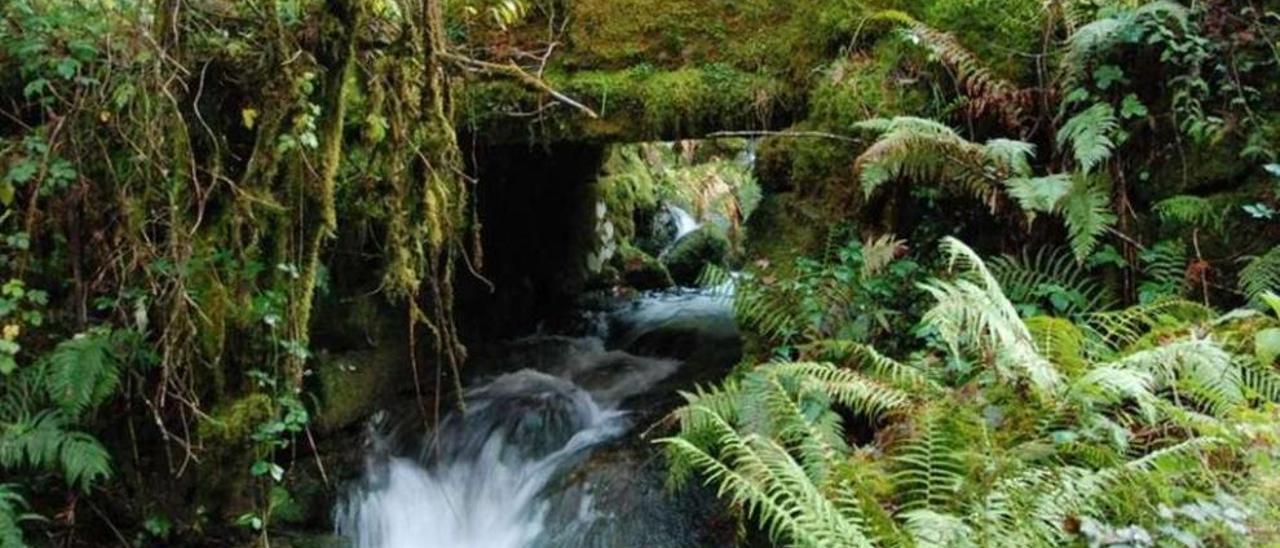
(547, 452)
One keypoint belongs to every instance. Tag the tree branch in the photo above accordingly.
(514, 70)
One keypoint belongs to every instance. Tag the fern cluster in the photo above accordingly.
(1102, 419)
(927, 152)
(42, 411)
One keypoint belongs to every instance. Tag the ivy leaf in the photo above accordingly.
(1273, 169)
(1131, 107)
(35, 87)
(1106, 75)
(67, 68)
(248, 117)
(21, 172)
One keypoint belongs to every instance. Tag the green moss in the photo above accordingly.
(231, 425)
(694, 253)
(996, 31)
(850, 90)
(778, 37)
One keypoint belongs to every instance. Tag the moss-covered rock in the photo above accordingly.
(354, 384)
(642, 271)
(224, 486)
(694, 253)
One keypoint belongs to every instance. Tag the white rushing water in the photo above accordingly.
(484, 481)
(484, 489)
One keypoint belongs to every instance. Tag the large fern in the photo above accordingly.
(1102, 36)
(985, 92)
(973, 312)
(82, 373)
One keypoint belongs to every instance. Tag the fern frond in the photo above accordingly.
(848, 388)
(1114, 331)
(1089, 135)
(929, 467)
(869, 361)
(1060, 341)
(932, 529)
(1086, 210)
(924, 151)
(878, 252)
(82, 373)
(1262, 274)
(1194, 211)
(1030, 278)
(1093, 41)
(1039, 194)
(984, 90)
(762, 477)
(1200, 367)
(84, 461)
(1164, 265)
(11, 503)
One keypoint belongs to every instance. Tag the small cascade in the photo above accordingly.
(501, 474)
(685, 223)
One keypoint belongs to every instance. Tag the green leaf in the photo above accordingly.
(35, 87)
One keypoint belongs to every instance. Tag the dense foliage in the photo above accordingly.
(197, 195)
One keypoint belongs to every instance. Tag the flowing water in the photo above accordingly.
(527, 464)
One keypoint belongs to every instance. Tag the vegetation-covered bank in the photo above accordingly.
(1097, 369)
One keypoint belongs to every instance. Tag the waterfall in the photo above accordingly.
(685, 223)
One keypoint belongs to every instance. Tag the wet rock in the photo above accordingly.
(641, 271)
(618, 497)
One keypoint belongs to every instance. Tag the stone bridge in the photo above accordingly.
(721, 65)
